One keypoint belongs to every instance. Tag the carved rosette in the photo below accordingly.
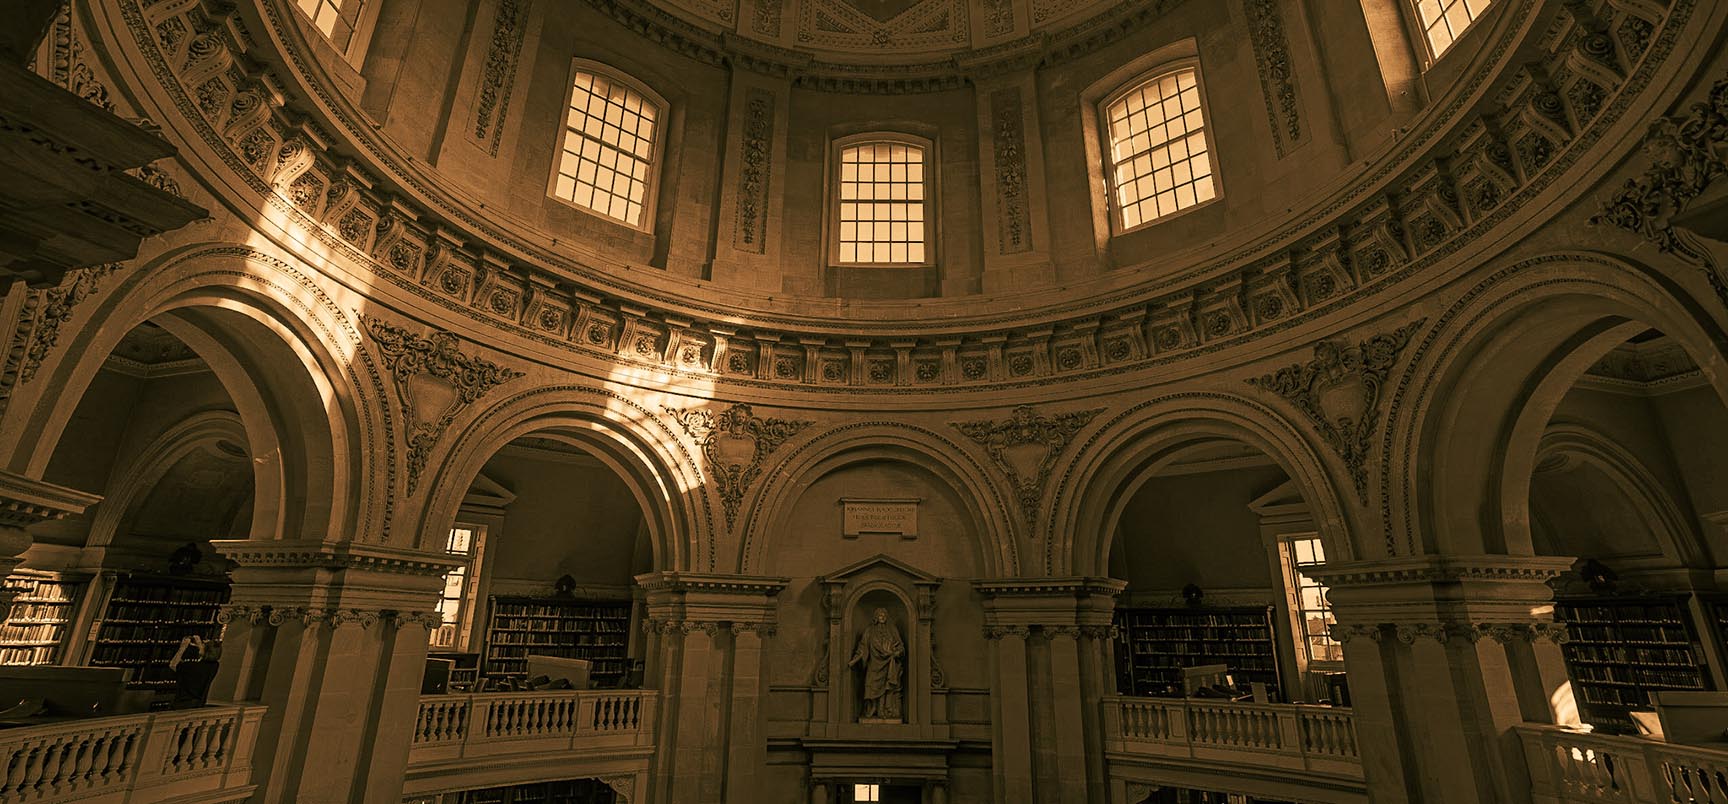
(735, 443)
(1338, 390)
(1049, 435)
(1687, 154)
(413, 359)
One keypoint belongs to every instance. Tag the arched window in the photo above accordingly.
(1160, 155)
(345, 23)
(883, 201)
(1443, 21)
(610, 147)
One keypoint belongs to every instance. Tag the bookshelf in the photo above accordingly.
(1619, 650)
(596, 630)
(41, 618)
(1155, 644)
(465, 675)
(145, 618)
(569, 791)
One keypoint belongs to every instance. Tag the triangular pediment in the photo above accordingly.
(489, 493)
(1283, 500)
(879, 561)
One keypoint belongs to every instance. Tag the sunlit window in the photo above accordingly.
(884, 203)
(866, 792)
(456, 601)
(1443, 21)
(608, 152)
(1313, 610)
(336, 19)
(1160, 162)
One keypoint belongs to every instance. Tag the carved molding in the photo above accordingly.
(1027, 428)
(1339, 391)
(1277, 73)
(410, 357)
(1687, 154)
(738, 423)
(1008, 141)
(755, 172)
(314, 616)
(623, 784)
(498, 73)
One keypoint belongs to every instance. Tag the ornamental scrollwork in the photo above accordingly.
(1277, 75)
(735, 443)
(623, 784)
(1339, 391)
(1687, 154)
(413, 358)
(1027, 429)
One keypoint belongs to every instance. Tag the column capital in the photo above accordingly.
(710, 597)
(333, 576)
(1435, 590)
(1049, 602)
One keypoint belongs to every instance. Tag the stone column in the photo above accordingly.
(1445, 654)
(712, 631)
(331, 636)
(1058, 707)
(25, 502)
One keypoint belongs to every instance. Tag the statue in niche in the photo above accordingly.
(881, 653)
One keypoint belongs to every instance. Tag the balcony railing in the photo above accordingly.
(1568, 767)
(203, 754)
(488, 739)
(1318, 742)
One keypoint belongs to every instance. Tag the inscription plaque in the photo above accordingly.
(876, 515)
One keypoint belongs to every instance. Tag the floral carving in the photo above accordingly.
(1009, 145)
(413, 359)
(1339, 391)
(735, 443)
(766, 19)
(508, 28)
(1277, 77)
(1687, 154)
(1047, 436)
(753, 175)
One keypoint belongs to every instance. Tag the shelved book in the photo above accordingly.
(145, 619)
(1619, 650)
(598, 631)
(40, 620)
(1156, 644)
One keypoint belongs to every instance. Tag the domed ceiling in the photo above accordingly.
(892, 31)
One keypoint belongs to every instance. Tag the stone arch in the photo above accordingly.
(1116, 460)
(861, 441)
(284, 352)
(1662, 516)
(624, 436)
(192, 433)
(1468, 414)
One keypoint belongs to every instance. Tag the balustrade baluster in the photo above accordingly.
(80, 766)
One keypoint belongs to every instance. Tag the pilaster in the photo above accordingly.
(1445, 654)
(1011, 177)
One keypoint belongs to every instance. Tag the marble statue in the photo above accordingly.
(882, 653)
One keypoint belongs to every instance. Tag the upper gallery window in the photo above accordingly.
(1160, 156)
(1312, 608)
(611, 140)
(455, 606)
(339, 20)
(883, 201)
(1443, 21)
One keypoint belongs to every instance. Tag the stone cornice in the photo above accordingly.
(711, 583)
(25, 501)
(1493, 144)
(1075, 587)
(1440, 569)
(335, 556)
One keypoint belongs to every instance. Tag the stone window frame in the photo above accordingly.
(1104, 143)
(468, 604)
(932, 197)
(359, 42)
(1417, 28)
(663, 112)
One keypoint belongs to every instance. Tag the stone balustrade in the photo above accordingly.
(490, 739)
(1568, 766)
(1154, 738)
(195, 754)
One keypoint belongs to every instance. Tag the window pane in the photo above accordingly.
(1166, 141)
(1445, 20)
(610, 126)
(887, 231)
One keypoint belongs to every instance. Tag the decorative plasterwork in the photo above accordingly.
(1277, 74)
(1646, 367)
(1399, 220)
(498, 76)
(622, 784)
(415, 360)
(1027, 432)
(735, 443)
(1339, 391)
(756, 152)
(1008, 141)
(313, 616)
(766, 17)
(1686, 155)
(321, 555)
(907, 26)
(54, 310)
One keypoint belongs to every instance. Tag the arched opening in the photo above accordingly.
(1212, 536)
(555, 534)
